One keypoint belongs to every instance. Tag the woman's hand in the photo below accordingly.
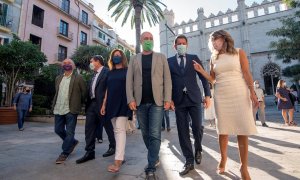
(102, 110)
(198, 67)
(284, 99)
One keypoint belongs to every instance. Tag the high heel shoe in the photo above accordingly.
(245, 175)
(220, 170)
(115, 167)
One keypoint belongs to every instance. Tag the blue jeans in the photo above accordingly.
(65, 126)
(150, 118)
(21, 116)
(166, 116)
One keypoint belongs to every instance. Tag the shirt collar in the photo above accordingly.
(68, 75)
(99, 70)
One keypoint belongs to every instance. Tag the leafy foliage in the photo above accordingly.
(139, 11)
(19, 61)
(83, 54)
(287, 47)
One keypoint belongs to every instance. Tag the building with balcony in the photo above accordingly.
(10, 11)
(104, 35)
(57, 26)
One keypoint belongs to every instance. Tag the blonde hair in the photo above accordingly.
(280, 83)
(110, 63)
(228, 45)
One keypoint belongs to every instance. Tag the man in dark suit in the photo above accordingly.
(187, 99)
(96, 93)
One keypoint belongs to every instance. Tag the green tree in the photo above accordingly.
(19, 61)
(139, 11)
(83, 54)
(288, 45)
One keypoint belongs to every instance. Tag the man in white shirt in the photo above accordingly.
(261, 99)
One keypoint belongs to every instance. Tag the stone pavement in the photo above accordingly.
(274, 153)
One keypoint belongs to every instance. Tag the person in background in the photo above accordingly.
(23, 104)
(68, 99)
(285, 103)
(209, 113)
(261, 107)
(166, 121)
(234, 96)
(114, 105)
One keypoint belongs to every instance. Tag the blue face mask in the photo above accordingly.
(116, 59)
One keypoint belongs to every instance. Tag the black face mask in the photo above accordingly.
(28, 90)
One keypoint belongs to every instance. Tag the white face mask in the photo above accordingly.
(181, 49)
(92, 66)
(257, 85)
(284, 84)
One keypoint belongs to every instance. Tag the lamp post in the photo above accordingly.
(167, 39)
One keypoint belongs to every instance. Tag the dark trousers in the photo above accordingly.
(21, 116)
(93, 119)
(167, 118)
(99, 130)
(182, 122)
(65, 126)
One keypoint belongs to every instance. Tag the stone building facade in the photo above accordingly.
(248, 26)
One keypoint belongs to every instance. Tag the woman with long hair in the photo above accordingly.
(284, 103)
(115, 106)
(234, 96)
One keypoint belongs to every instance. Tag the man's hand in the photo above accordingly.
(167, 106)
(30, 109)
(172, 106)
(15, 107)
(132, 106)
(206, 102)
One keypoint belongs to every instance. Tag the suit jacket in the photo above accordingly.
(188, 80)
(160, 77)
(100, 89)
(77, 92)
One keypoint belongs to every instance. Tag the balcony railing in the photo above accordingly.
(6, 23)
(68, 35)
(70, 11)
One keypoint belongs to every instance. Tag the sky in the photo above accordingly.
(184, 10)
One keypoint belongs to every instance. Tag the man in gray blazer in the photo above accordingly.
(149, 88)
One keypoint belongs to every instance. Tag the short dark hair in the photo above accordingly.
(179, 37)
(99, 58)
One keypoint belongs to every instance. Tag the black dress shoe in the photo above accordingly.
(109, 152)
(186, 169)
(198, 157)
(85, 158)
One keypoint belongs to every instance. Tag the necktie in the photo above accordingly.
(91, 85)
(181, 64)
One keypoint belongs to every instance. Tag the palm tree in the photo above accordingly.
(140, 11)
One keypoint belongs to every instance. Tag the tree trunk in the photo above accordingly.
(137, 20)
(10, 86)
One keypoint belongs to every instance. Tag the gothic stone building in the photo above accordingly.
(248, 26)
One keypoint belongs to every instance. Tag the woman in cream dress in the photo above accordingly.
(234, 96)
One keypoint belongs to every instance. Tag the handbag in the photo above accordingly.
(292, 98)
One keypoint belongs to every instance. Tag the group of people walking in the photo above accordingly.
(151, 85)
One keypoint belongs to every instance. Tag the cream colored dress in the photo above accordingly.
(232, 98)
